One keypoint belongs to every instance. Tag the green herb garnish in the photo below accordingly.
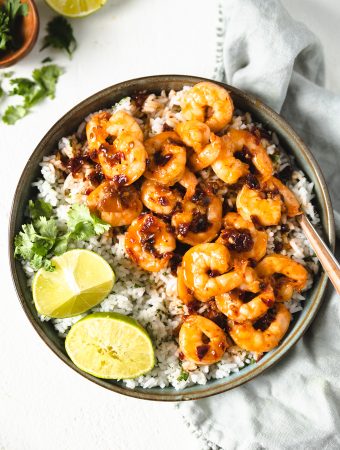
(10, 14)
(41, 239)
(183, 376)
(60, 35)
(42, 85)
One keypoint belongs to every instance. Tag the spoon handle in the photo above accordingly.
(326, 258)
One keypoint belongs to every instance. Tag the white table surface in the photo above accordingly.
(43, 403)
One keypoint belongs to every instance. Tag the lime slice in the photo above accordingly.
(75, 8)
(110, 345)
(80, 281)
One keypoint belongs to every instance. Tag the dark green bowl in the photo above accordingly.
(106, 98)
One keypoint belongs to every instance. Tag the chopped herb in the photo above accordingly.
(46, 60)
(41, 239)
(14, 113)
(10, 14)
(8, 74)
(32, 91)
(60, 35)
(183, 376)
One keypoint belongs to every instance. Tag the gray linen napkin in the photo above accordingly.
(296, 404)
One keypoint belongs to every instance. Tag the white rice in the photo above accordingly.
(151, 298)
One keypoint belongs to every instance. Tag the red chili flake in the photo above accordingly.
(252, 182)
(202, 350)
(181, 356)
(238, 240)
(120, 180)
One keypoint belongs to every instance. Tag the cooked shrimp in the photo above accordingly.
(205, 270)
(233, 306)
(117, 207)
(246, 336)
(97, 134)
(199, 161)
(209, 103)
(103, 128)
(228, 168)
(183, 292)
(245, 141)
(122, 122)
(158, 198)
(201, 340)
(200, 219)
(281, 264)
(252, 203)
(167, 158)
(291, 202)
(194, 134)
(149, 243)
(241, 237)
(125, 161)
(189, 182)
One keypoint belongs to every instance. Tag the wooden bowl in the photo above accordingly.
(30, 30)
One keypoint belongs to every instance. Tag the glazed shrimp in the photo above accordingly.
(206, 145)
(189, 182)
(228, 168)
(254, 203)
(167, 158)
(232, 305)
(122, 122)
(199, 161)
(183, 292)
(103, 128)
(251, 338)
(209, 103)
(246, 142)
(201, 340)
(117, 207)
(291, 202)
(241, 237)
(149, 243)
(194, 134)
(281, 264)
(205, 270)
(158, 198)
(199, 220)
(97, 134)
(125, 161)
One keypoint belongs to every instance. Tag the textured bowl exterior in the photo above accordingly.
(106, 98)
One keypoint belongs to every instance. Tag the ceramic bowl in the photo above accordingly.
(30, 31)
(106, 98)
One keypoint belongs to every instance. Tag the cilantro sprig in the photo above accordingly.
(10, 14)
(60, 35)
(32, 90)
(42, 239)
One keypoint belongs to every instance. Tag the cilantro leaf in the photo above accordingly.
(39, 208)
(14, 113)
(80, 215)
(60, 35)
(47, 228)
(46, 60)
(183, 376)
(47, 78)
(15, 8)
(32, 91)
(5, 32)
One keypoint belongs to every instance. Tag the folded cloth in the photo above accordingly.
(296, 404)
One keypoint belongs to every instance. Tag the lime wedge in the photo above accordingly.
(110, 345)
(80, 281)
(75, 8)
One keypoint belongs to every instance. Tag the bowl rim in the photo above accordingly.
(277, 354)
(13, 57)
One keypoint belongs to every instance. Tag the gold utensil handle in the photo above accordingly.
(326, 258)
